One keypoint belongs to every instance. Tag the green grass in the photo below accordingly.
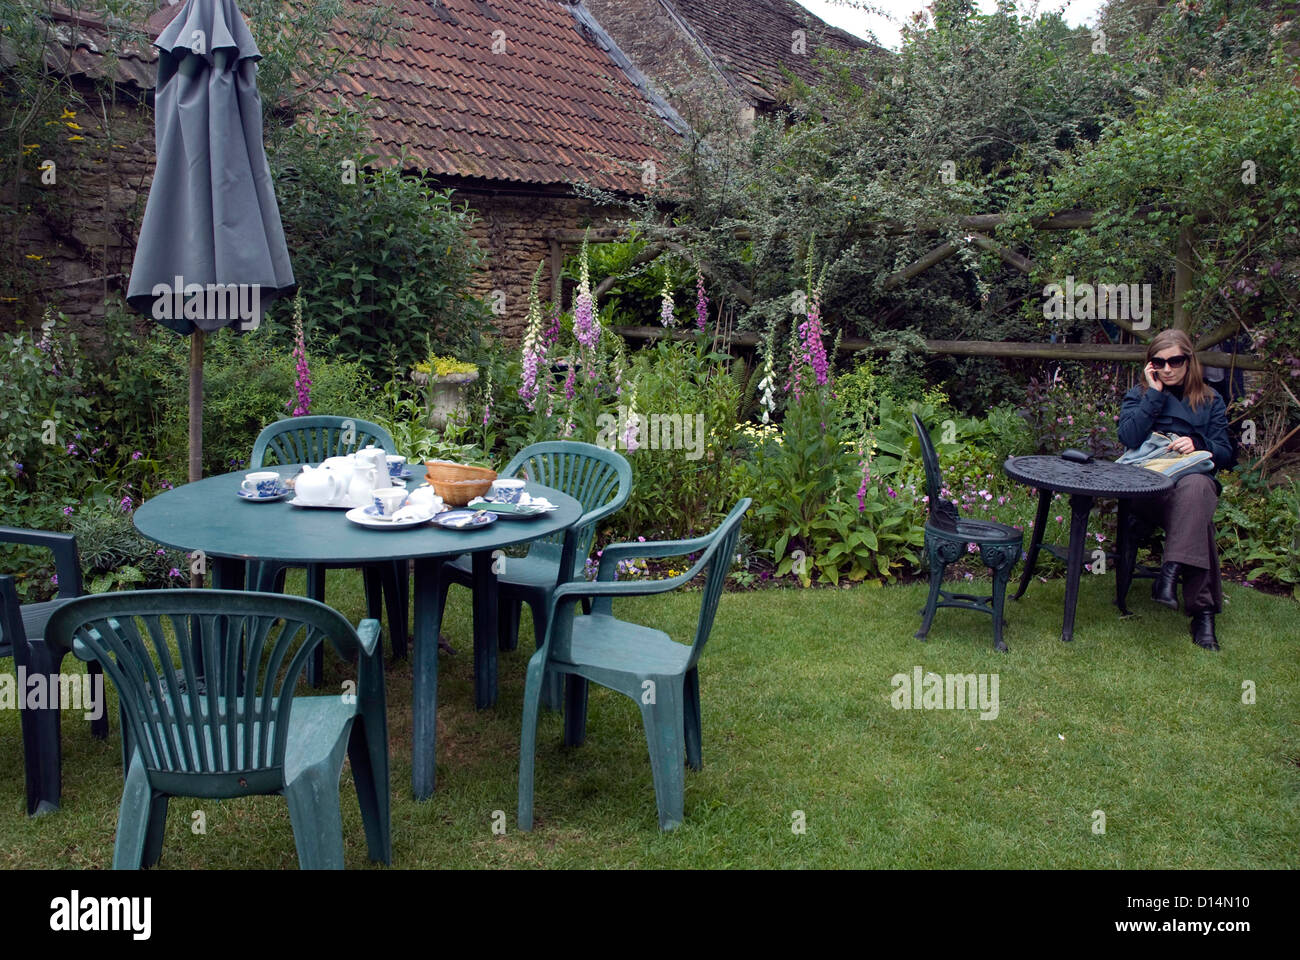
(1130, 719)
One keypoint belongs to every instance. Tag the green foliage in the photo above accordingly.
(1077, 405)
(637, 294)
(42, 113)
(859, 391)
(976, 114)
(383, 259)
(115, 556)
(406, 418)
(1259, 530)
(1219, 160)
(248, 383)
(679, 489)
(42, 406)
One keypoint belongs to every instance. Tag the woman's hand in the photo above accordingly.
(1183, 445)
(1152, 380)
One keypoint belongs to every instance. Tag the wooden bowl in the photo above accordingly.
(457, 483)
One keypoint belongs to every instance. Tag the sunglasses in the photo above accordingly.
(1174, 362)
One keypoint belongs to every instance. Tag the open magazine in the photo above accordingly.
(1154, 454)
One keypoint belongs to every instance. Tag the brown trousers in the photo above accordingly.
(1187, 515)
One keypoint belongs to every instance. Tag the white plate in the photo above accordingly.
(358, 515)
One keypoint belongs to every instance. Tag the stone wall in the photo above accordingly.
(513, 229)
(79, 231)
(82, 228)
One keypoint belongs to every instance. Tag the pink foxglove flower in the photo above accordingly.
(302, 379)
(586, 325)
(808, 349)
(667, 306)
(701, 301)
(535, 346)
(632, 426)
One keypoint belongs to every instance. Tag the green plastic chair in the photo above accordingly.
(947, 535)
(311, 440)
(660, 675)
(599, 479)
(21, 627)
(244, 732)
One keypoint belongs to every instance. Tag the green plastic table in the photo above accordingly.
(208, 515)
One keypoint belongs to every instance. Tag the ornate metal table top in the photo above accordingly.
(1100, 478)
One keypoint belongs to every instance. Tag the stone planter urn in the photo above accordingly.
(447, 397)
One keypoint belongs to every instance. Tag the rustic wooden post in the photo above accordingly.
(1182, 277)
(557, 268)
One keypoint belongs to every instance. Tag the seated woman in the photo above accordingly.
(1176, 401)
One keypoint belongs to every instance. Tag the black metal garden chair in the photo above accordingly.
(947, 536)
(20, 628)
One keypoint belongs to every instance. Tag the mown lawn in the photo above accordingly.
(1131, 720)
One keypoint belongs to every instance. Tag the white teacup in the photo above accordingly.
(262, 483)
(388, 500)
(506, 491)
(396, 464)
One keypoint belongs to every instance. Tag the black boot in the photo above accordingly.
(1165, 588)
(1203, 630)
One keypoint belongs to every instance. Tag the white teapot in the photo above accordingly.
(318, 485)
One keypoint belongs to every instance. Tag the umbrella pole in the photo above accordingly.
(196, 406)
(196, 427)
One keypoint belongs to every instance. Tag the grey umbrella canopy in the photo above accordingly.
(211, 251)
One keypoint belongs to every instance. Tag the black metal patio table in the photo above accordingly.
(1084, 482)
(207, 515)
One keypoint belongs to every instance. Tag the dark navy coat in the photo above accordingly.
(1145, 411)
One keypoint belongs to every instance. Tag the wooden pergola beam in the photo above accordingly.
(1008, 256)
(1121, 353)
(939, 254)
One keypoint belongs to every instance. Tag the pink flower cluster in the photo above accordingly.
(701, 302)
(536, 346)
(586, 326)
(810, 350)
(302, 380)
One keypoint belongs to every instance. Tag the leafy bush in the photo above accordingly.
(679, 488)
(1259, 529)
(384, 259)
(806, 511)
(248, 382)
(1077, 406)
(43, 414)
(115, 555)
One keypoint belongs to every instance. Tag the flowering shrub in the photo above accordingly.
(1076, 407)
(302, 380)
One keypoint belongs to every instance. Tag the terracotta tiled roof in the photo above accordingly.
(751, 40)
(509, 90)
(82, 41)
(525, 91)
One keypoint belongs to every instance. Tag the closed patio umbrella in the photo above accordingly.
(211, 251)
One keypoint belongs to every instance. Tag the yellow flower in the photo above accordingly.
(72, 126)
(34, 256)
(76, 137)
(67, 114)
(29, 147)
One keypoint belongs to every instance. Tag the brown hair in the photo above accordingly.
(1195, 392)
